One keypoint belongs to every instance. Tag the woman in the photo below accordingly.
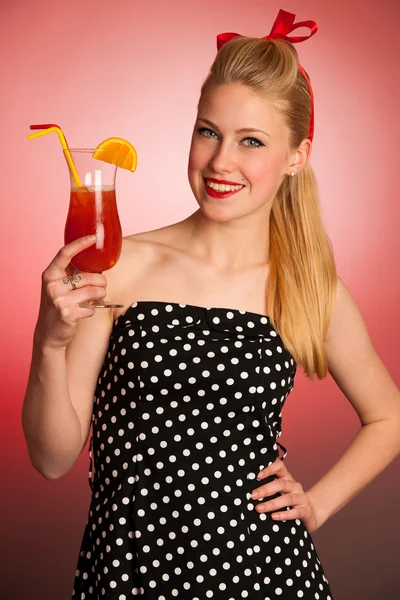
(191, 496)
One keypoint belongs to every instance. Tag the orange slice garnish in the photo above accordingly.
(117, 152)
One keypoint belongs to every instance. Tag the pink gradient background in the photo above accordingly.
(134, 69)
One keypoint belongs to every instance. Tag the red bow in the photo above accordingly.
(283, 25)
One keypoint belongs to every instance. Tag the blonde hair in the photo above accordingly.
(302, 276)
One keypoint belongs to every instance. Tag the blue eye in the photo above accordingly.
(257, 142)
(206, 132)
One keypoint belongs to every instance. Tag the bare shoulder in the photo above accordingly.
(347, 335)
(149, 246)
(346, 316)
(169, 236)
(140, 254)
(353, 362)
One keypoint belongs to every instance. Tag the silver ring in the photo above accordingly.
(72, 280)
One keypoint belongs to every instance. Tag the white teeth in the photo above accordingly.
(221, 187)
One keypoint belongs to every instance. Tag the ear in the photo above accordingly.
(299, 158)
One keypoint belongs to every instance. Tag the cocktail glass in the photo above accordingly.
(93, 210)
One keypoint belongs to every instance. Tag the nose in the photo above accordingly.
(223, 160)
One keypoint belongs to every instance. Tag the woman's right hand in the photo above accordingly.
(59, 305)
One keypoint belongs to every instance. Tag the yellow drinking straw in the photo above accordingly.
(54, 128)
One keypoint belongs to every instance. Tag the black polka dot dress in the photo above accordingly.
(187, 411)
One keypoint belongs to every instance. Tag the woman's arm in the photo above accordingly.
(58, 403)
(360, 374)
(69, 347)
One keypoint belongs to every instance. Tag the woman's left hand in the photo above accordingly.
(293, 495)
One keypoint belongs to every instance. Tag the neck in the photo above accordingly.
(230, 246)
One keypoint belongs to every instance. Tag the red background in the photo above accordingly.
(134, 69)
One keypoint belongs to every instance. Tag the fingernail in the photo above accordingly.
(91, 238)
(254, 494)
(259, 475)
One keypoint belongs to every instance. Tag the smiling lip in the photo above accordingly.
(222, 181)
(220, 195)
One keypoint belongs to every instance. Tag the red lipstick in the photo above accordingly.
(220, 195)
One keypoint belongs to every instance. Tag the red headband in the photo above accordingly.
(284, 24)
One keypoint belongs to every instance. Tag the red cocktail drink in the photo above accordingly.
(92, 206)
(94, 211)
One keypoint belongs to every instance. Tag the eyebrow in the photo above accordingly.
(243, 130)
